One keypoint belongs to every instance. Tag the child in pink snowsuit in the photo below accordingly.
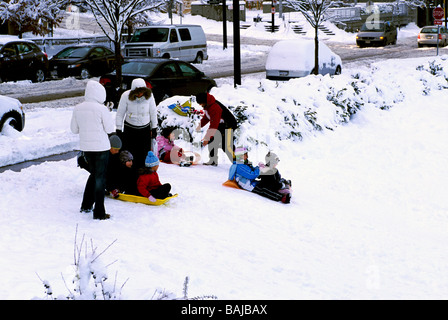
(168, 152)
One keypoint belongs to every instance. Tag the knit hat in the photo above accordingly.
(151, 160)
(239, 154)
(125, 156)
(271, 159)
(115, 141)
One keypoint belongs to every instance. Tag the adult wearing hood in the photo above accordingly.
(220, 130)
(93, 122)
(136, 120)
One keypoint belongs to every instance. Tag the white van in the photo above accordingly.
(178, 41)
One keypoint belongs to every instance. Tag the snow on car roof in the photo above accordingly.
(296, 55)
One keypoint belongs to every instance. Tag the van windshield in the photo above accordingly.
(372, 27)
(150, 35)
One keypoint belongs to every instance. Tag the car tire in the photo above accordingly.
(84, 74)
(199, 59)
(338, 70)
(13, 119)
(39, 75)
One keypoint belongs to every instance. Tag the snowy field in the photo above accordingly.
(368, 217)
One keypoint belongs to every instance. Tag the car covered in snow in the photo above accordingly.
(295, 58)
(11, 113)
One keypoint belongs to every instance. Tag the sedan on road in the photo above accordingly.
(11, 113)
(82, 61)
(166, 78)
(428, 36)
(377, 33)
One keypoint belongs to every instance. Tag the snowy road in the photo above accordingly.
(252, 61)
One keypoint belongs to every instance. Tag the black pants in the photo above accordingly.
(137, 140)
(162, 191)
(264, 192)
(96, 183)
(225, 141)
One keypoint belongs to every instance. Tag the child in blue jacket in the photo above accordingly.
(242, 170)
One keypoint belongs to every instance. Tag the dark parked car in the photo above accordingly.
(166, 78)
(82, 61)
(11, 113)
(22, 60)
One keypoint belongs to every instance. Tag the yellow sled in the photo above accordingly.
(144, 200)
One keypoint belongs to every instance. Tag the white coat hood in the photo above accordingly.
(138, 83)
(95, 92)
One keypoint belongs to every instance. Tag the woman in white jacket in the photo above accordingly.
(136, 120)
(93, 122)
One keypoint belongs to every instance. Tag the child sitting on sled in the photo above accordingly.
(242, 171)
(168, 152)
(148, 183)
(271, 184)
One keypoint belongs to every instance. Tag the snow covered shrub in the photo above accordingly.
(161, 294)
(88, 276)
(370, 88)
(346, 100)
(89, 279)
(269, 112)
(433, 76)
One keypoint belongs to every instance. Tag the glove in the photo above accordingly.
(119, 133)
(154, 133)
(152, 199)
(114, 193)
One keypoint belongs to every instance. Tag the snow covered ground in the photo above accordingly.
(368, 217)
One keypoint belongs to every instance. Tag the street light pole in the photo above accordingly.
(224, 24)
(236, 44)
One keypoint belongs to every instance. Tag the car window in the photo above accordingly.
(372, 27)
(184, 34)
(24, 48)
(429, 30)
(138, 67)
(173, 36)
(97, 53)
(167, 71)
(107, 51)
(73, 52)
(9, 50)
(187, 70)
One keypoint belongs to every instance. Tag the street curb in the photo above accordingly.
(48, 96)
